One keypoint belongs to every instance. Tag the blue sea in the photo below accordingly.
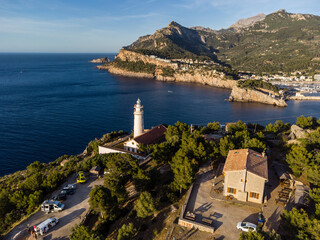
(54, 104)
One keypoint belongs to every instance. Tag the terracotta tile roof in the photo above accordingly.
(253, 161)
(155, 135)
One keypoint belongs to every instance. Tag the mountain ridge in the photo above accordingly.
(277, 42)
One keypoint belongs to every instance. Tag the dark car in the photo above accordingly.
(68, 191)
(59, 197)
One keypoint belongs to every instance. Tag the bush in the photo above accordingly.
(253, 84)
(126, 232)
(138, 66)
(80, 232)
(306, 122)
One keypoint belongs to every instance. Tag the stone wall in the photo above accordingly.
(192, 224)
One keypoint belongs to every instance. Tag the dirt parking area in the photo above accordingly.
(225, 215)
(76, 207)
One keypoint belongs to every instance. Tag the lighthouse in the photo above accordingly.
(138, 128)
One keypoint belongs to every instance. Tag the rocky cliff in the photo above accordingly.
(249, 95)
(196, 77)
(132, 56)
(209, 77)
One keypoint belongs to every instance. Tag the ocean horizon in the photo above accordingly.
(53, 104)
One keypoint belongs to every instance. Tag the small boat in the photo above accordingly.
(170, 91)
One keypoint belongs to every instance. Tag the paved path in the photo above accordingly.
(76, 207)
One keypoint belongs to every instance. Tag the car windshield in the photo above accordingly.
(243, 224)
(59, 205)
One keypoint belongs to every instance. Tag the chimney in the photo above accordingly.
(263, 154)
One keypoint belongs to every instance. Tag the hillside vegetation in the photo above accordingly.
(281, 42)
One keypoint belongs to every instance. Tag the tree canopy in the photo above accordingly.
(101, 201)
(145, 205)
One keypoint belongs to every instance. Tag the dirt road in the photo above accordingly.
(76, 207)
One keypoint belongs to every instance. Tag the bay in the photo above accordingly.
(54, 104)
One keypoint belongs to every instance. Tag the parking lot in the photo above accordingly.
(76, 207)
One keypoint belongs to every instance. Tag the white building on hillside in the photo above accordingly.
(140, 136)
(138, 127)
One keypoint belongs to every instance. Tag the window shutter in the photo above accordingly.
(257, 195)
(250, 194)
(228, 189)
(235, 191)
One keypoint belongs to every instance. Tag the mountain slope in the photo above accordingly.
(278, 42)
(247, 22)
(174, 41)
(281, 42)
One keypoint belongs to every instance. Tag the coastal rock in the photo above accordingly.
(100, 60)
(297, 132)
(210, 78)
(249, 95)
(130, 56)
(196, 77)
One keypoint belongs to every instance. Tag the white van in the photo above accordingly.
(43, 227)
(51, 206)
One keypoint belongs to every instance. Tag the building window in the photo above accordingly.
(241, 180)
(254, 195)
(231, 190)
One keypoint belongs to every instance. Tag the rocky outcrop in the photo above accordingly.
(249, 95)
(211, 78)
(297, 132)
(247, 22)
(131, 56)
(201, 77)
(205, 78)
(100, 60)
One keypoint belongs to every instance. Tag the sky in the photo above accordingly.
(105, 26)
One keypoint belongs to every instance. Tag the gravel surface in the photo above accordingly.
(76, 207)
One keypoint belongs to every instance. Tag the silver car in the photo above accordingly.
(246, 226)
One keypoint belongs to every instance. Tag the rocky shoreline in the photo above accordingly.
(205, 77)
(250, 95)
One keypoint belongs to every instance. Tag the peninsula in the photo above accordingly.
(258, 46)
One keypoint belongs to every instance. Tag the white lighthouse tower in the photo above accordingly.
(138, 119)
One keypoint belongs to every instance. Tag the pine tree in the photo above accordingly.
(145, 205)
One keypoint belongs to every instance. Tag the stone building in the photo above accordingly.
(245, 175)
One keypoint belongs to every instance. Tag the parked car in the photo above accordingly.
(59, 197)
(67, 191)
(51, 206)
(82, 178)
(246, 226)
(46, 225)
(72, 186)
